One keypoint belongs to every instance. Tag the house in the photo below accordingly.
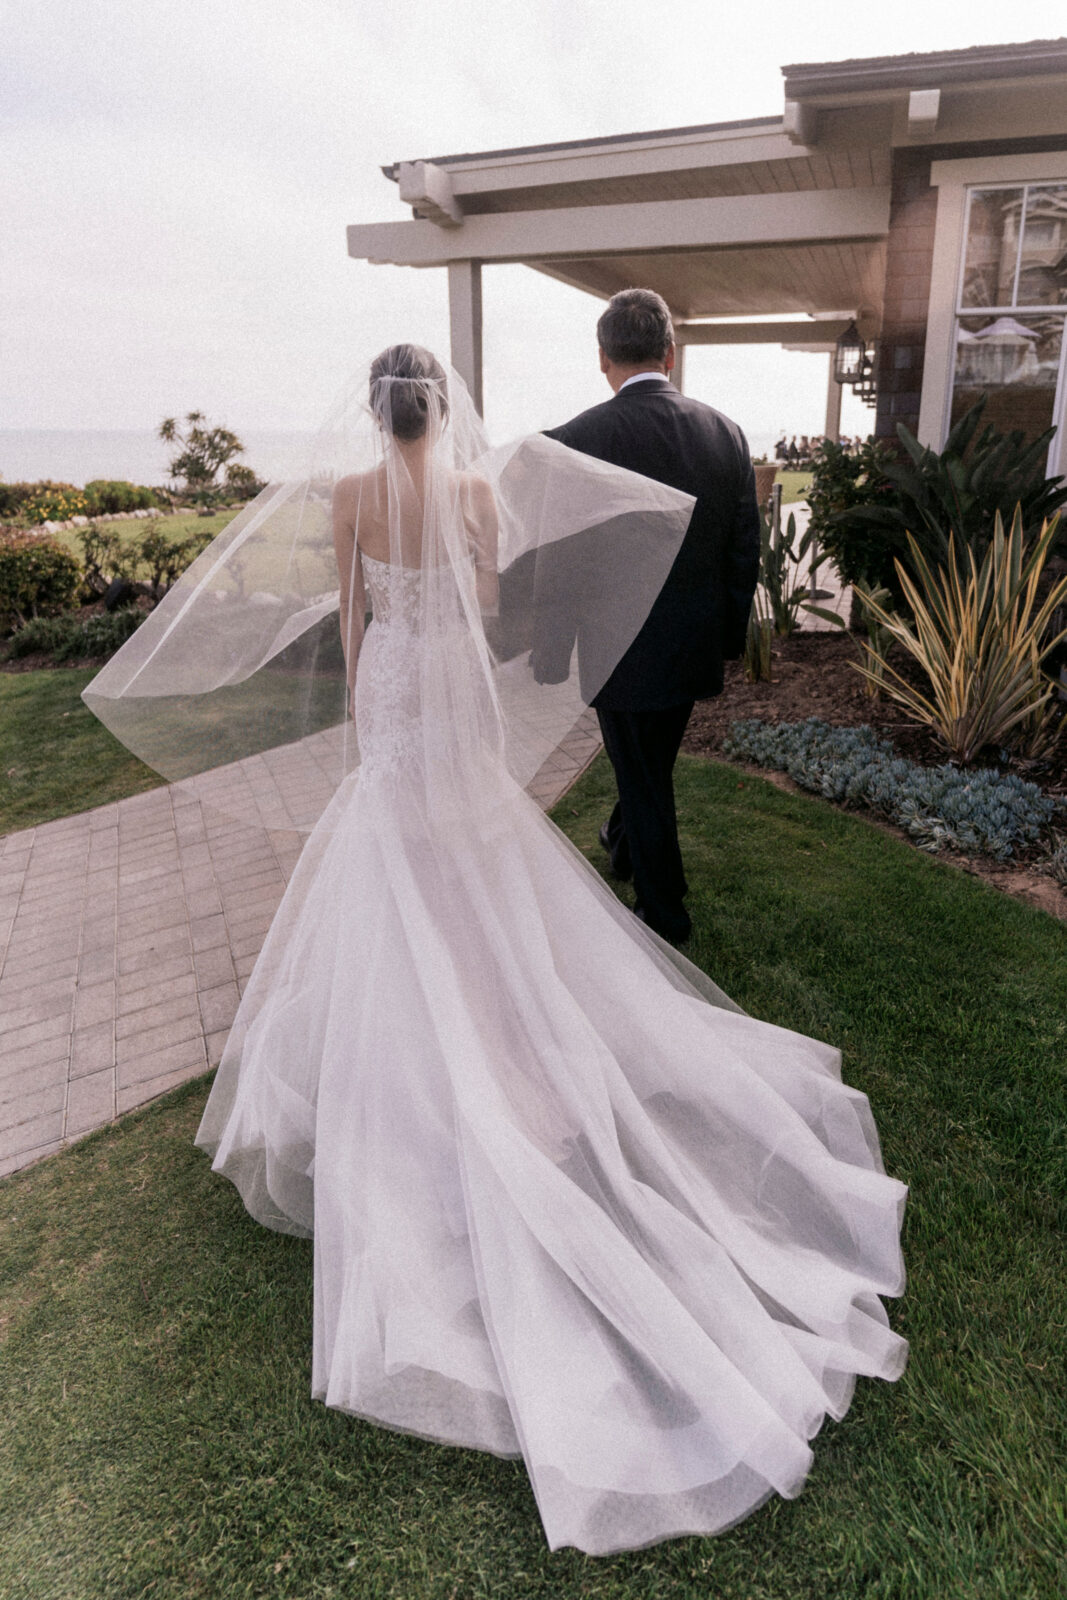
(923, 196)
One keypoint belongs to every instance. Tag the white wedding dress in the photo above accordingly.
(567, 1202)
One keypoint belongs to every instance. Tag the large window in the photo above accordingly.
(1011, 306)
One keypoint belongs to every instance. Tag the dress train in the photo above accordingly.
(567, 1203)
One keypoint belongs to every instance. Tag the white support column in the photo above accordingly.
(832, 426)
(678, 373)
(465, 323)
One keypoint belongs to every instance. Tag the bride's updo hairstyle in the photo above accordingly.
(407, 383)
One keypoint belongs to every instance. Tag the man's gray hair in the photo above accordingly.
(636, 327)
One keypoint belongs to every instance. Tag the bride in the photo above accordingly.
(567, 1201)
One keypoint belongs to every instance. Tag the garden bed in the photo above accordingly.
(814, 677)
(38, 660)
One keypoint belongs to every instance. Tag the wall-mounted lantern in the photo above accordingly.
(866, 386)
(850, 356)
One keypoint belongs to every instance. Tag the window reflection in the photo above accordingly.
(1015, 361)
(1043, 262)
(1015, 262)
(997, 272)
(992, 247)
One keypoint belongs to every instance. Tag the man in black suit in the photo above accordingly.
(701, 614)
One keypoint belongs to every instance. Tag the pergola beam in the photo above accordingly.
(818, 334)
(465, 324)
(832, 424)
(808, 216)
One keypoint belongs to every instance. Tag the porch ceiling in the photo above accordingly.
(764, 279)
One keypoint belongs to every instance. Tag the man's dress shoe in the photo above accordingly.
(616, 872)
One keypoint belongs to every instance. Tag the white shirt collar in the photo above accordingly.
(643, 377)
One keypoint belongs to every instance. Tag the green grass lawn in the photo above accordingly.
(56, 757)
(159, 1439)
(795, 486)
(174, 526)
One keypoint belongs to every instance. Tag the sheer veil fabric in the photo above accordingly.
(568, 1203)
(239, 676)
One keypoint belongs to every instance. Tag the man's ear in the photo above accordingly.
(604, 363)
(668, 360)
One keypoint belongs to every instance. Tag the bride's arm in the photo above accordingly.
(483, 528)
(353, 597)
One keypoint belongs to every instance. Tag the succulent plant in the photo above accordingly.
(983, 812)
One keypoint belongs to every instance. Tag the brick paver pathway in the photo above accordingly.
(834, 595)
(126, 935)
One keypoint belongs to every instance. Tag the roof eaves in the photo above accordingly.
(599, 143)
(976, 63)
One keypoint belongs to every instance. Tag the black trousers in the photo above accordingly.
(642, 830)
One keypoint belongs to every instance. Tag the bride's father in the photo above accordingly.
(700, 615)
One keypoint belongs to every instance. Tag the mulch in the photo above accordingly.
(814, 677)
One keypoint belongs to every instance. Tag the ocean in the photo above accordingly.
(78, 456)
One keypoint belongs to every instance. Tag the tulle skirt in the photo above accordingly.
(567, 1202)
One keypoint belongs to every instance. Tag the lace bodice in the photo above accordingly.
(416, 684)
(394, 591)
(387, 679)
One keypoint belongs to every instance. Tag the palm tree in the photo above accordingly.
(203, 452)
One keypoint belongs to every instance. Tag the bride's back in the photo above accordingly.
(420, 515)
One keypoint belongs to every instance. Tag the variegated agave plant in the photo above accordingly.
(980, 637)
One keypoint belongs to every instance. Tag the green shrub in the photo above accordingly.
(28, 502)
(57, 502)
(106, 556)
(241, 482)
(152, 558)
(980, 812)
(12, 498)
(840, 482)
(780, 593)
(73, 638)
(46, 501)
(784, 586)
(163, 559)
(38, 578)
(42, 636)
(955, 492)
(106, 497)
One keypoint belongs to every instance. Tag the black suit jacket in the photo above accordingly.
(701, 614)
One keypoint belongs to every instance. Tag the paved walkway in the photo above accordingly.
(833, 594)
(127, 933)
(126, 936)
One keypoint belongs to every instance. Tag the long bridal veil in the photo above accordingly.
(562, 1207)
(236, 683)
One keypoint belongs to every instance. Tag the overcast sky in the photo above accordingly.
(175, 181)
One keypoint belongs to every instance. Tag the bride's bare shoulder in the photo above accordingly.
(355, 486)
(475, 488)
(355, 498)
